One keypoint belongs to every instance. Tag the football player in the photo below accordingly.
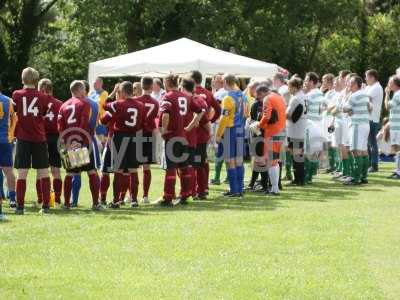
(128, 116)
(106, 163)
(31, 150)
(99, 95)
(151, 108)
(197, 107)
(174, 106)
(230, 135)
(46, 87)
(359, 109)
(273, 122)
(7, 123)
(393, 105)
(203, 133)
(74, 115)
(315, 103)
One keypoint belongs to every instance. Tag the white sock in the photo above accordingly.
(274, 178)
(398, 163)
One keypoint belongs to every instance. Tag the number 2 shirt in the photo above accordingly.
(75, 113)
(31, 107)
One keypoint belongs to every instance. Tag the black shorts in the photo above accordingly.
(257, 146)
(295, 143)
(106, 164)
(200, 157)
(149, 148)
(124, 159)
(54, 155)
(31, 155)
(179, 158)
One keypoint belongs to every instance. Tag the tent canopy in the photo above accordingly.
(180, 56)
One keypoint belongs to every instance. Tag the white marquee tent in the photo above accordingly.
(180, 56)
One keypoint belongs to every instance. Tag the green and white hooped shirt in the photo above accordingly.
(394, 112)
(359, 104)
(314, 101)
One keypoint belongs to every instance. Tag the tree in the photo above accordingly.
(20, 21)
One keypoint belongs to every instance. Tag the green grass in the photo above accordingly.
(322, 241)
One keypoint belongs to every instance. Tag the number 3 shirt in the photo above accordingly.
(127, 115)
(31, 107)
(175, 104)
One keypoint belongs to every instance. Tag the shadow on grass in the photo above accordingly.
(321, 191)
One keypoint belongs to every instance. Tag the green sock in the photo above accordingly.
(315, 167)
(288, 165)
(365, 166)
(351, 164)
(218, 168)
(357, 168)
(345, 164)
(339, 167)
(307, 172)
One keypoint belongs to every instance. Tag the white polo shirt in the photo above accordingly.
(375, 91)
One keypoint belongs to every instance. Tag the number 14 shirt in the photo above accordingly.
(31, 107)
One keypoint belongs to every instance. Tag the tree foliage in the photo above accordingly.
(61, 37)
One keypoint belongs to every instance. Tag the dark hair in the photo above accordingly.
(87, 86)
(147, 83)
(172, 80)
(312, 76)
(396, 80)
(188, 84)
(280, 77)
(262, 89)
(230, 79)
(373, 73)
(358, 80)
(126, 87)
(296, 82)
(344, 73)
(196, 76)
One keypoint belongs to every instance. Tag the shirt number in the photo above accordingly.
(31, 109)
(151, 107)
(71, 119)
(133, 117)
(50, 114)
(183, 107)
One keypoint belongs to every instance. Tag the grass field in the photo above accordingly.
(322, 241)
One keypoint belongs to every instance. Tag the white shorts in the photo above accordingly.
(327, 121)
(347, 132)
(359, 137)
(394, 138)
(314, 138)
(339, 134)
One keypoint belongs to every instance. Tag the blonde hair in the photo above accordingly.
(76, 86)
(30, 76)
(46, 85)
